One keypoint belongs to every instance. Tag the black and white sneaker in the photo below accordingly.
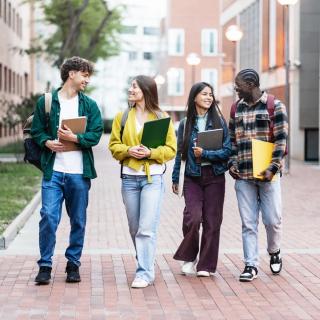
(249, 273)
(275, 262)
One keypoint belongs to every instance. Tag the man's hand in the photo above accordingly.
(175, 188)
(197, 152)
(55, 146)
(267, 175)
(234, 172)
(67, 134)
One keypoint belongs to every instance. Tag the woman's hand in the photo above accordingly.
(234, 172)
(175, 188)
(146, 151)
(139, 152)
(136, 152)
(197, 152)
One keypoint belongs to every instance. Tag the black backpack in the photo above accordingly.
(31, 148)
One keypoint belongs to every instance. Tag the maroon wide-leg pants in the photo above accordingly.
(204, 197)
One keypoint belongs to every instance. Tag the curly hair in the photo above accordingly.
(75, 64)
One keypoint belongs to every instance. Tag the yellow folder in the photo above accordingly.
(261, 157)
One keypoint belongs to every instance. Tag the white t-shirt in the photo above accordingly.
(71, 161)
(155, 168)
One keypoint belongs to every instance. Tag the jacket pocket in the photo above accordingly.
(262, 125)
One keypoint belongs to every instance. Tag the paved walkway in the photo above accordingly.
(108, 263)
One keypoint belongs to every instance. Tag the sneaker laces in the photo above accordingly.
(275, 257)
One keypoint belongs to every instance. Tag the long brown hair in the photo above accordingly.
(150, 92)
(214, 114)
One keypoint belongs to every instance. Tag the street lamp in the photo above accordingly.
(286, 4)
(233, 34)
(160, 80)
(193, 60)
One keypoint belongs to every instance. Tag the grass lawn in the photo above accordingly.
(19, 182)
(14, 147)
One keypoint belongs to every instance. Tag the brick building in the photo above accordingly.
(263, 48)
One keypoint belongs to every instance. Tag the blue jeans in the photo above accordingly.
(74, 189)
(253, 197)
(143, 202)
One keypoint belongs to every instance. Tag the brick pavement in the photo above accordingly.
(108, 263)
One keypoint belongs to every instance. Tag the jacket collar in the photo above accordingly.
(56, 98)
(262, 99)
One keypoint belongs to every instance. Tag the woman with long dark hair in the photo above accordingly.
(204, 182)
(142, 173)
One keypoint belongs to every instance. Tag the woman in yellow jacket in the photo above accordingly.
(142, 173)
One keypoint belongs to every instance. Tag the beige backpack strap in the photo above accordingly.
(47, 101)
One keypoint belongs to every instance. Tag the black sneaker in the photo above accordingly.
(249, 273)
(275, 262)
(72, 271)
(44, 275)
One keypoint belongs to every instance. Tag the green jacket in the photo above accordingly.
(40, 134)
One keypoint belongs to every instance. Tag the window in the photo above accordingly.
(312, 144)
(9, 14)
(17, 23)
(5, 78)
(20, 27)
(176, 42)
(0, 8)
(5, 11)
(133, 55)
(151, 31)
(26, 85)
(18, 84)
(249, 45)
(9, 81)
(13, 82)
(272, 32)
(14, 20)
(175, 82)
(129, 30)
(209, 42)
(147, 55)
(210, 76)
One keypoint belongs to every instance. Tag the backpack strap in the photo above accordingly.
(47, 101)
(47, 106)
(270, 109)
(124, 119)
(234, 109)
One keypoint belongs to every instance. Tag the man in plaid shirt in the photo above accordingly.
(250, 119)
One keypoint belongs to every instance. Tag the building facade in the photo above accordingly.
(139, 53)
(16, 73)
(263, 48)
(191, 29)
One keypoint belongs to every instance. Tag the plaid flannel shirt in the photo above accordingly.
(253, 122)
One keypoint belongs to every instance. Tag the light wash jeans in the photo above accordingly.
(253, 197)
(143, 202)
(74, 189)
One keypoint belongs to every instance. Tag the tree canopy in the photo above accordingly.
(82, 28)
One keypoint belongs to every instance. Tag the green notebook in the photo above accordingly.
(155, 132)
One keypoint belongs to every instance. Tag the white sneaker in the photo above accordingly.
(204, 274)
(139, 283)
(188, 267)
